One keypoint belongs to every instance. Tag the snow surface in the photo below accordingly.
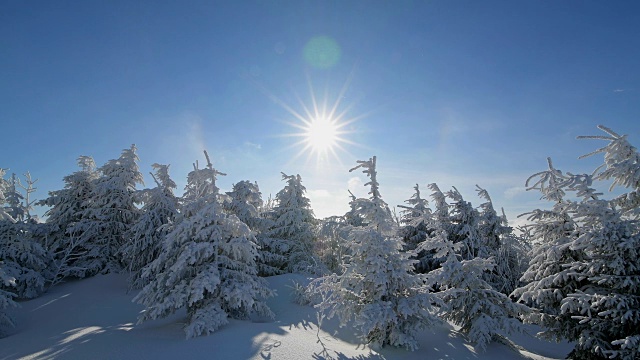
(95, 319)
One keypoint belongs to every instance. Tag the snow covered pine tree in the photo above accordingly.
(207, 264)
(147, 234)
(378, 289)
(112, 211)
(63, 237)
(585, 275)
(293, 225)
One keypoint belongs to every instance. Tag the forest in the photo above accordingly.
(573, 270)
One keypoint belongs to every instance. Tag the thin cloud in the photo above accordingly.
(251, 145)
(514, 192)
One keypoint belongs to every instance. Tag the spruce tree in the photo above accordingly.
(508, 251)
(245, 201)
(6, 282)
(23, 257)
(548, 279)
(107, 220)
(207, 265)
(294, 228)
(482, 313)
(378, 290)
(6, 301)
(63, 238)
(416, 220)
(147, 234)
(332, 243)
(584, 276)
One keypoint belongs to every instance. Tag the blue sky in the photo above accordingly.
(454, 92)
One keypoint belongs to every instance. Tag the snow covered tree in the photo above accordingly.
(147, 234)
(293, 225)
(4, 185)
(414, 229)
(14, 199)
(378, 290)
(607, 309)
(68, 205)
(548, 280)
(584, 276)
(374, 212)
(416, 220)
(201, 182)
(245, 201)
(6, 301)
(498, 241)
(6, 281)
(352, 217)
(482, 313)
(331, 245)
(24, 258)
(207, 265)
(463, 227)
(621, 163)
(19, 204)
(112, 211)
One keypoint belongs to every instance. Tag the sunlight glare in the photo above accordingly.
(322, 126)
(322, 134)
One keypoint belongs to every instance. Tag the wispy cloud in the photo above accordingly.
(514, 192)
(251, 145)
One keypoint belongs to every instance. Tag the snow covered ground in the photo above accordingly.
(95, 319)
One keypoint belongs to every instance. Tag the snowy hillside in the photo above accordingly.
(95, 319)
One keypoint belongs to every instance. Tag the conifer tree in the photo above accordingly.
(14, 199)
(584, 276)
(207, 265)
(549, 279)
(378, 290)
(6, 301)
(112, 211)
(482, 313)
(63, 238)
(415, 220)
(245, 201)
(4, 185)
(374, 211)
(464, 227)
(23, 258)
(499, 243)
(332, 243)
(293, 225)
(147, 234)
(6, 282)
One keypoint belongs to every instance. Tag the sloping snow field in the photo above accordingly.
(95, 319)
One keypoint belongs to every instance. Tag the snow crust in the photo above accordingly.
(95, 319)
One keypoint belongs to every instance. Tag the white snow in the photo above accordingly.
(95, 319)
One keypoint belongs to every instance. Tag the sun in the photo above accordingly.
(322, 134)
(323, 126)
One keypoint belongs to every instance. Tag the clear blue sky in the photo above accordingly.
(454, 92)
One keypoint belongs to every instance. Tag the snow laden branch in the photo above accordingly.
(583, 277)
(621, 164)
